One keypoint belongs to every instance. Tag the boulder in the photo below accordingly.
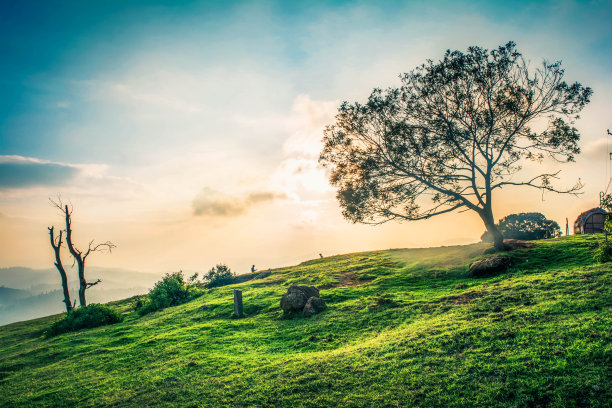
(490, 266)
(314, 305)
(296, 297)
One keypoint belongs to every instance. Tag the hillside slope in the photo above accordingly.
(403, 328)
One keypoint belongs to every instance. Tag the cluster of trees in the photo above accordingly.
(526, 226)
(452, 134)
(78, 255)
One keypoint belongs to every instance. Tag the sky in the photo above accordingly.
(188, 132)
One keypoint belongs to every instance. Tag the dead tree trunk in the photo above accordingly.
(79, 256)
(56, 245)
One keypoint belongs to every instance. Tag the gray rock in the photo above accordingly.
(314, 305)
(490, 266)
(595, 388)
(204, 307)
(296, 297)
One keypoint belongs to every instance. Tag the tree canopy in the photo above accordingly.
(453, 132)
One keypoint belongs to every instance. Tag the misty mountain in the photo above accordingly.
(10, 295)
(27, 293)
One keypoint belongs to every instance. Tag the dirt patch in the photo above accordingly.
(346, 279)
(465, 298)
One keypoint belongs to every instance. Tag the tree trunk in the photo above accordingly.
(489, 221)
(60, 268)
(79, 258)
(82, 283)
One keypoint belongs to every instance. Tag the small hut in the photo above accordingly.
(590, 222)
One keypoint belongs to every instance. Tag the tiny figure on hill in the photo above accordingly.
(321, 255)
(253, 269)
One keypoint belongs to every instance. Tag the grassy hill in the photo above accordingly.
(402, 328)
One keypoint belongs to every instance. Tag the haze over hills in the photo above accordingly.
(27, 293)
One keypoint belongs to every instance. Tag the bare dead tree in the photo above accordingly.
(80, 256)
(56, 244)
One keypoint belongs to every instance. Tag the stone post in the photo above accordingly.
(238, 303)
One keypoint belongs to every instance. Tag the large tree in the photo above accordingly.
(453, 132)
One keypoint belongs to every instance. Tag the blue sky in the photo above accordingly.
(143, 112)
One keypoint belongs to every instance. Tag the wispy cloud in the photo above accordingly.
(214, 203)
(597, 150)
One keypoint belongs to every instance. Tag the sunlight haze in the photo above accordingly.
(188, 133)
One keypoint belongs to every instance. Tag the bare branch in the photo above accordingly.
(90, 284)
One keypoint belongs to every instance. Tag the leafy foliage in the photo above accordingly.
(606, 204)
(603, 252)
(86, 317)
(219, 275)
(453, 133)
(526, 226)
(170, 291)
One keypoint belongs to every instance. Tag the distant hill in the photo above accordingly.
(32, 293)
(9, 295)
(403, 328)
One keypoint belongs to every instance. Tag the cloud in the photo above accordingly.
(308, 120)
(22, 172)
(213, 203)
(597, 151)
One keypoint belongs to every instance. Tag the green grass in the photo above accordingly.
(402, 328)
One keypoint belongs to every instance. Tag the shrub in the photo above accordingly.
(87, 317)
(603, 253)
(526, 226)
(170, 291)
(219, 275)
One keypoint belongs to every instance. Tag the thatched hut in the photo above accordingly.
(590, 222)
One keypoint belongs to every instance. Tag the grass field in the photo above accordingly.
(402, 328)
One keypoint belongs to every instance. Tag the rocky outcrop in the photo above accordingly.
(490, 266)
(302, 299)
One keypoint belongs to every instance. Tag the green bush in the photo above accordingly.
(170, 291)
(219, 275)
(525, 226)
(603, 253)
(87, 317)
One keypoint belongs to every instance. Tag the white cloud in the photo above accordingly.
(307, 122)
(598, 150)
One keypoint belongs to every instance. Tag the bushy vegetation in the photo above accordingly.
(219, 275)
(403, 328)
(603, 252)
(526, 226)
(87, 317)
(170, 291)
